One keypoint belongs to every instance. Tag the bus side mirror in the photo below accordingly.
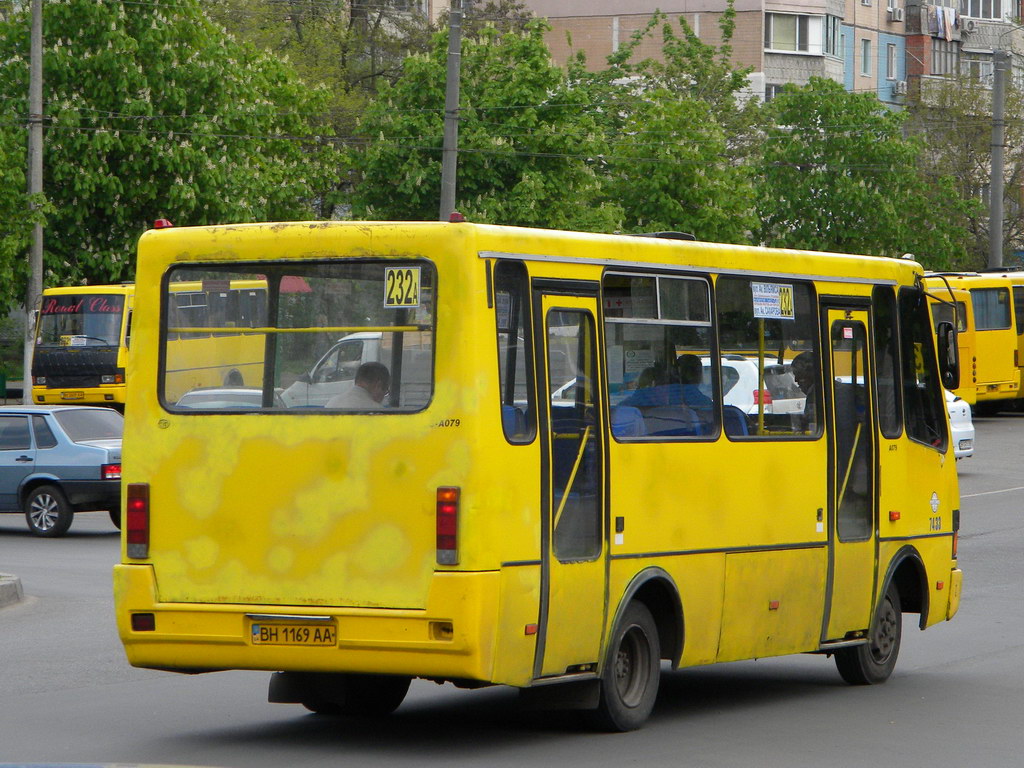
(949, 355)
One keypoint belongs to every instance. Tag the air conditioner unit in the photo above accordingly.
(895, 14)
(899, 88)
(968, 25)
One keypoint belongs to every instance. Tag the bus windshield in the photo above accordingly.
(307, 329)
(81, 320)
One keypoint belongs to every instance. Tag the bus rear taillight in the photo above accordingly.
(137, 528)
(448, 526)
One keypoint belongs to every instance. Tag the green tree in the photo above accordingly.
(954, 115)
(671, 171)
(151, 113)
(837, 174)
(528, 142)
(14, 212)
(678, 128)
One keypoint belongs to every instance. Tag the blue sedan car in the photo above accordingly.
(57, 460)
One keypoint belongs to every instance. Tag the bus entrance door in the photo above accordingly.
(852, 460)
(573, 571)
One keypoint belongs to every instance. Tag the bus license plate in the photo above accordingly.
(294, 634)
(72, 395)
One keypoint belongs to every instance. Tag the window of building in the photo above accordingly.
(865, 57)
(791, 33)
(890, 61)
(771, 90)
(945, 57)
(976, 66)
(983, 9)
(833, 37)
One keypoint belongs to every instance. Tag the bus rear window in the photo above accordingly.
(339, 337)
(991, 308)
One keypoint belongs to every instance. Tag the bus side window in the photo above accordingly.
(659, 338)
(923, 406)
(883, 304)
(770, 363)
(511, 306)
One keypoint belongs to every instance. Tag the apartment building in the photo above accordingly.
(883, 46)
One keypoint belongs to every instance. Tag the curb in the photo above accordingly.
(10, 589)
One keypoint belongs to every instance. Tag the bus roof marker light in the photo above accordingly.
(162, 224)
(456, 218)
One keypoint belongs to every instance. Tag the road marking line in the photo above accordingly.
(989, 493)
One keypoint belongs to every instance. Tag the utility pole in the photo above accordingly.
(450, 150)
(35, 189)
(1000, 65)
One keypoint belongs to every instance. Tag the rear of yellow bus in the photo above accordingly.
(345, 537)
(81, 345)
(997, 371)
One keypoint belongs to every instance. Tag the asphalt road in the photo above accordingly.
(68, 695)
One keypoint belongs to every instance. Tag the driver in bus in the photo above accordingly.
(371, 386)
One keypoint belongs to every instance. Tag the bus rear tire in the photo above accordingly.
(359, 695)
(629, 682)
(874, 661)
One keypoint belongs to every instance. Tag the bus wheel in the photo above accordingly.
(361, 696)
(874, 661)
(47, 512)
(629, 682)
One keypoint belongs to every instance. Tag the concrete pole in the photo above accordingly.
(450, 150)
(1000, 65)
(35, 188)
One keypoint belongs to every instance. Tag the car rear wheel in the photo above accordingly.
(48, 512)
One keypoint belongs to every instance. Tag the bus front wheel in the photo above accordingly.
(874, 661)
(629, 682)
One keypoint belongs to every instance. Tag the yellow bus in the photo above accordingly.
(83, 334)
(954, 306)
(997, 305)
(528, 504)
(81, 345)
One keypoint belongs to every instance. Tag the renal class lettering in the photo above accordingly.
(75, 305)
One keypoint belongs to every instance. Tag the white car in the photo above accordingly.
(739, 386)
(961, 426)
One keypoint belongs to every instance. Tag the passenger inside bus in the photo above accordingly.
(371, 386)
(805, 371)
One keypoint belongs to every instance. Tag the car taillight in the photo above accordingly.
(111, 471)
(137, 527)
(448, 526)
(762, 396)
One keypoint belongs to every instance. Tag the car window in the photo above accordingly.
(90, 423)
(14, 434)
(44, 435)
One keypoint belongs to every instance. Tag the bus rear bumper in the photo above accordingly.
(451, 639)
